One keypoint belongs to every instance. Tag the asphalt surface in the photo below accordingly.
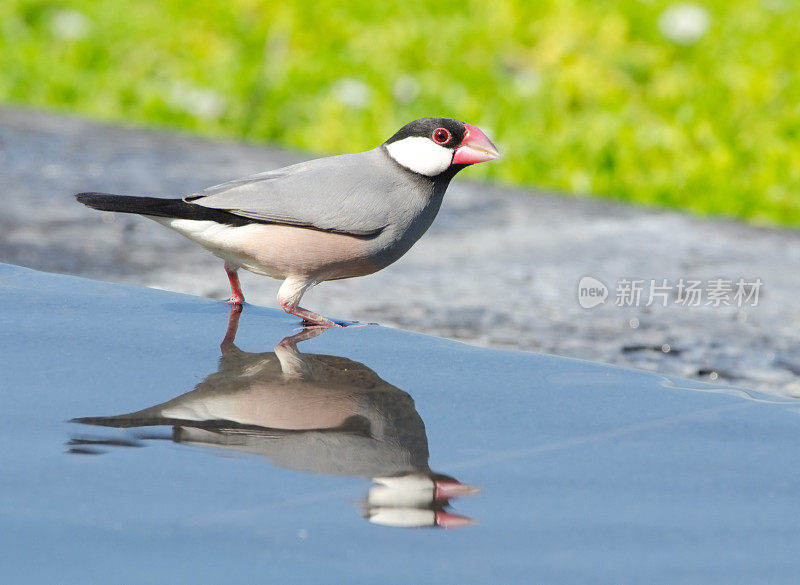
(500, 266)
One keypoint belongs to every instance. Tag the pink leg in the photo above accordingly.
(308, 317)
(237, 298)
(289, 297)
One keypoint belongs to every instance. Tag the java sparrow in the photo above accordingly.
(325, 219)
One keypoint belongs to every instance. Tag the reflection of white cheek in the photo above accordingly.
(421, 155)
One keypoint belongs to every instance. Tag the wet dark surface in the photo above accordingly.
(272, 454)
(499, 267)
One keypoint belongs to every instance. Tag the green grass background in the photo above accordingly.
(583, 96)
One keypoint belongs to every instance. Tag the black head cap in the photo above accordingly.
(451, 137)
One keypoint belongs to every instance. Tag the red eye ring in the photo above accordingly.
(441, 136)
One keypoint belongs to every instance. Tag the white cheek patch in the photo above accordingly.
(421, 155)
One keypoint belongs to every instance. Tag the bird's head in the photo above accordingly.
(433, 146)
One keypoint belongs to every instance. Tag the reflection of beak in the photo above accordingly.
(448, 520)
(450, 488)
(475, 147)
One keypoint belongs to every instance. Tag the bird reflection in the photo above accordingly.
(308, 412)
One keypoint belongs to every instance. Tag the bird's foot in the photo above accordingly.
(306, 324)
(310, 318)
(336, 323)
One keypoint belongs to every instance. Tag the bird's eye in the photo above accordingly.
(441, 135)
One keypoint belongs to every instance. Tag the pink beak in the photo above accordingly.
(475, 147)
(450, 488)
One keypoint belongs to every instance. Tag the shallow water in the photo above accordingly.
(296, 458)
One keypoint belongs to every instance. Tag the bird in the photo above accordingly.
(315, 413)
(325, 219)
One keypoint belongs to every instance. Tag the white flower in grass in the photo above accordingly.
(352, 92)
(684, 23)
(198, 101)
(406, 89)
(69, 25)
(777, 6)
(527, 82)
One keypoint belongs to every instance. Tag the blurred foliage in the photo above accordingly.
(586, 96)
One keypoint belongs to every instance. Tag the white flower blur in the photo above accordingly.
(406, 89)
(69, 25)
(352, 92)
(201, 102)
(684, 23)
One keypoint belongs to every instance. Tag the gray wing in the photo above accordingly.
(349, 194)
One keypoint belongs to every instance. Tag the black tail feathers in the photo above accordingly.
(125, 204)
(154, 206)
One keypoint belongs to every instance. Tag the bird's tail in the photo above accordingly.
(141, 205)
(156, 207)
